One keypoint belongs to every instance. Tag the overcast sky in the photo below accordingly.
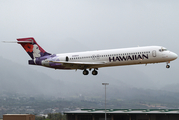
(81, 25)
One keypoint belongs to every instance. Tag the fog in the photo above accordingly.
(72, 26)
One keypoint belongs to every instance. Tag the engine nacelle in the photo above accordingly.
(45, 63)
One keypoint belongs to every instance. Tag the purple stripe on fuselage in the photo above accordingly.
(42, 61)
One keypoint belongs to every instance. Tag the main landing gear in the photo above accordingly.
(85, 72)
(94, 72)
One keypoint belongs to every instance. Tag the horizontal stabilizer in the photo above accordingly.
(30, 41)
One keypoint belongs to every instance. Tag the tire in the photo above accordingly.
(94, 72)
(168, 66)
(85, 72)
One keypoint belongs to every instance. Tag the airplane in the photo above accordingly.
(89, 60)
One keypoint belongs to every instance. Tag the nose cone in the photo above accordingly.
(174, 56)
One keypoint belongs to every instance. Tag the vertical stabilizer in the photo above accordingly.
(32, 48)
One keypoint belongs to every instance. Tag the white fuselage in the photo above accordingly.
(95, 59)
(118, 57)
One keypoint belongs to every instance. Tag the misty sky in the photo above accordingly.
(61, 26)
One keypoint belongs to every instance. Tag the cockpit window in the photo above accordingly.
(163, 49)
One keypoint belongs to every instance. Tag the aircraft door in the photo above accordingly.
(67, 59)
(154, 53)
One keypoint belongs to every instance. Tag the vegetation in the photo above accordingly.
(52, 116)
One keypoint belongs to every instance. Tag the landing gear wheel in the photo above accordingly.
(168, 66)
(85, 72)
(94, 72)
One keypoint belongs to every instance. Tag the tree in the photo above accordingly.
(56, 116)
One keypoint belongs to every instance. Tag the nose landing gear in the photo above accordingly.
(168, 66)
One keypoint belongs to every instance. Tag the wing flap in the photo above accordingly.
(80, 65)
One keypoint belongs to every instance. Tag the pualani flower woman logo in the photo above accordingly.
(33, 50)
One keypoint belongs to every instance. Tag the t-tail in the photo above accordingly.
(32, 48)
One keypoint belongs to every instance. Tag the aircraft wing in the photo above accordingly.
(80, 65)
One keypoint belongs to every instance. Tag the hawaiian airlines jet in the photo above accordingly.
(89, 60)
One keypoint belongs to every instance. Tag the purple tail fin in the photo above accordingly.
(32, 48)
